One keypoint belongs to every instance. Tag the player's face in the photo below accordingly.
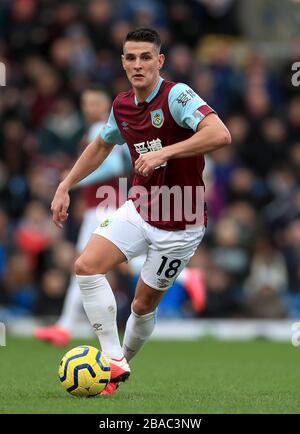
(95, 106)
(142, 62)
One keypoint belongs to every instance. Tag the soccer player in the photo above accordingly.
(95, 105)
(168, 129)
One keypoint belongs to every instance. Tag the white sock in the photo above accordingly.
(100, 305)
(138, 330)
(72, 305)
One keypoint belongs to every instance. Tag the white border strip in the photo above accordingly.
(189, 329)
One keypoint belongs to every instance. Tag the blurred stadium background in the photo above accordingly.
(238, 55)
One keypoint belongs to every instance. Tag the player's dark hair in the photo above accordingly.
(144, 35)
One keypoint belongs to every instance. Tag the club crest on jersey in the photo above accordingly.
(157, 118)
(105, 223)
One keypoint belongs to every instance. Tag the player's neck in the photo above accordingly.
(142, 94)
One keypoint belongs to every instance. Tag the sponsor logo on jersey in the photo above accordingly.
(157, 118)
(149, 146)
(185, 96)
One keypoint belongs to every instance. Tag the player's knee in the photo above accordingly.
(141, 307)
(83, 267)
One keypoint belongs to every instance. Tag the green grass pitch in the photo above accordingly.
(204, 376)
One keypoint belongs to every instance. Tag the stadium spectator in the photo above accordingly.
(267, 282)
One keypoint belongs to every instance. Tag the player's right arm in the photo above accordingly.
(91, 158)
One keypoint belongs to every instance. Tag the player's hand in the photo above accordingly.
(59, 206)
(147, 163)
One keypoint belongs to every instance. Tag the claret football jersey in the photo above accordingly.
(168, 198)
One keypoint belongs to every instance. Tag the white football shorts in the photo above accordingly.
(167, 252)
(91, 219)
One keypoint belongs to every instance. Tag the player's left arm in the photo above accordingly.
(211, 135)
(191, 112)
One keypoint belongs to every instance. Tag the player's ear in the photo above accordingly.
(123, 60)
(161, 61)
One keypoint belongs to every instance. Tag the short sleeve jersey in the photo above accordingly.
(107, 174)
(170, 114)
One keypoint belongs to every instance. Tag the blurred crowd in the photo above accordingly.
(249, 262)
